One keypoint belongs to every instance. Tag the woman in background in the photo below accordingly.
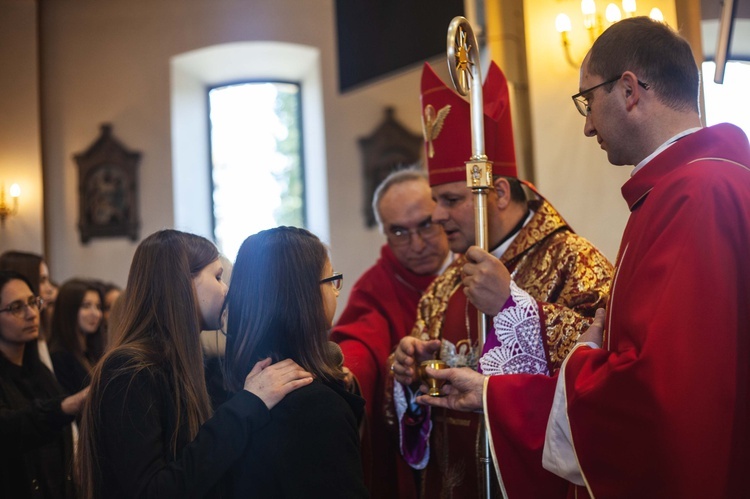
(36, 449)
(147, 429)
(281, 305)
(77, 340)
(34, 268)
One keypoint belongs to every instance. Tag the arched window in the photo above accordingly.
(256, 159)
(193, 75)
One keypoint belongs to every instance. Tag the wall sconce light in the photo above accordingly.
(592, 22)
(7, 210)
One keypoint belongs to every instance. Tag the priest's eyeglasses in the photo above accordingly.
(18, 308)
(336, 280)
(401, 236)
(582, 102)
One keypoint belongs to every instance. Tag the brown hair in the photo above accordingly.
(276, 306)
(158, 326)
(65, 322)
(657, 55)
(25, 263)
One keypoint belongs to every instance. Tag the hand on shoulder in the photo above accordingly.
(272, 382)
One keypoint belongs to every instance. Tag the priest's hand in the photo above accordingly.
(409, 353)
(486, 281)
(595, 332)
(463, 389)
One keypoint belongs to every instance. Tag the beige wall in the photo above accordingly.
(571, 170)
(20, 149)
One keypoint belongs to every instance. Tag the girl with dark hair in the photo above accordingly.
(77, 340)
(147, 429)
(36, 449)
(281, 305)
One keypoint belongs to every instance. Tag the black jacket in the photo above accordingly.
(135, 428)
(309, 449)
(36, 450)
(70, 373)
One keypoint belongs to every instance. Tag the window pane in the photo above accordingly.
(726, 103)
(256, 153)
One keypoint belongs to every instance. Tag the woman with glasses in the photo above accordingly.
(148, 429)
(77, 338)
(34, 268)
(281, 305)
(36, 449)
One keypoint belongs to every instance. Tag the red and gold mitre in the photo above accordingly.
(446, 124)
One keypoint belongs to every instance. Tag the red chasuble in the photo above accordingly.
(663, 410)
(381, 310)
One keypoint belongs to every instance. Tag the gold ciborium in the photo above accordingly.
(434, 384)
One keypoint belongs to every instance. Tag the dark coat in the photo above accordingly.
(309, 449)
(72, 375)
(137, 419)
(36, 450)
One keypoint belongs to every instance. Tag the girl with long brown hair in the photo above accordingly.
(147, 428)
(77, 339)
(281, 304)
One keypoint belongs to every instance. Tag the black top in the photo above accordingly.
(309, 449)
(36, 448)
(137, 420)
(70, 373)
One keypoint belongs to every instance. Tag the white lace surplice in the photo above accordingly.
(518, 332)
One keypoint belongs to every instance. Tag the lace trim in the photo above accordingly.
(518, 330)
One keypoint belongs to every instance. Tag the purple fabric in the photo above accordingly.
(416, 436)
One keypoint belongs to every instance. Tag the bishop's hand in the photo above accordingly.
(486, 281)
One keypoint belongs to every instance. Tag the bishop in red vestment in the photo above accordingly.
(567, 278)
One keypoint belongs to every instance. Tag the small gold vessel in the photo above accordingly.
(434, 384)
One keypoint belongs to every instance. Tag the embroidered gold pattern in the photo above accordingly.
(552, 264)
